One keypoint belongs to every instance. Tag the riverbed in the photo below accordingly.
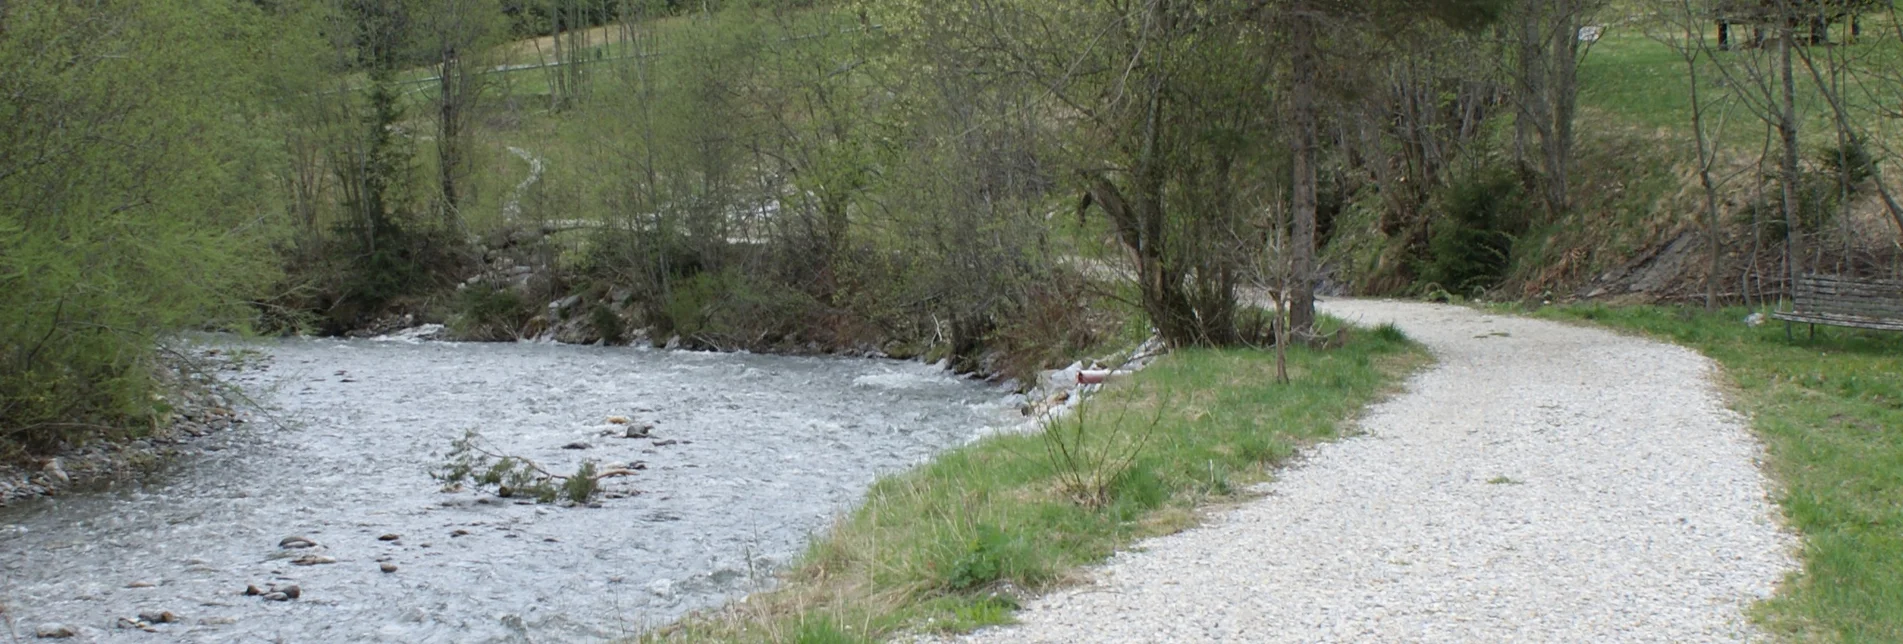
(748, 457)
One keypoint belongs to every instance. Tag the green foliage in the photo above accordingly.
(990, 555)
(129, 196)
(486, 312)
(729, 309)
(607, 324)
(1387, 332)
(1471, 242)
(471, 461)
(818, 629)
(1850, 163)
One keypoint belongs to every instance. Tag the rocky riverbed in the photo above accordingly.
(204, 410)
(325, 524)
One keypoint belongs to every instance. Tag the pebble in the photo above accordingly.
(389, 537)
(54, 631)
(387, 567)
(296, 542)
(159, 617)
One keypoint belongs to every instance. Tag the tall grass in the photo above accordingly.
(1830, 412)
(951, 545)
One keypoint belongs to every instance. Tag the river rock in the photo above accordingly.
(159, 617)
(296, 542)
(278, 597)
(577, 445)
(387, 567)
(389, 537)
(312, 560)
(639, 430)
(141, 584)
(55, 471)
(54, 631)
(253, 590)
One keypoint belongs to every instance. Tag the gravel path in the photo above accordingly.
(1541, 483)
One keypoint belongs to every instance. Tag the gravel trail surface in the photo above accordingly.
(1540, 483)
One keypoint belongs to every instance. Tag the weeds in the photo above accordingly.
(473, 461)
(1089, 458)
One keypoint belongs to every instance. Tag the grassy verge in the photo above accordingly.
(1830, 412)
(948, 546)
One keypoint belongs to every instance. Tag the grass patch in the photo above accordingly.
(1830, 412)
(951, 545)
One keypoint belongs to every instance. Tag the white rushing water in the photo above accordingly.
(766, 450)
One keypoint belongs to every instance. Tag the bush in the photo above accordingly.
(129, 208)
(729, 310)
(1471, 241)
(487, 313)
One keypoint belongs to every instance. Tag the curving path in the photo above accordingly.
(1541, 483)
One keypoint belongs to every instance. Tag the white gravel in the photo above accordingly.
(1540, 483)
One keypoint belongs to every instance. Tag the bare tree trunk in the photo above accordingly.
(1302, 244)
(1533, 114)
(1564, 90)
(1691, 49)
(449, 132)
(1787, 135)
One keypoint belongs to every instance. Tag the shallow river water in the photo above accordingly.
(767, 450)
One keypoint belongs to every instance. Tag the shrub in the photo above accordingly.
(1471, 242)
(488, 313)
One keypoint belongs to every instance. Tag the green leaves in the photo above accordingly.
(129, 199)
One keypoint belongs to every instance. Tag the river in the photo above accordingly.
(766, 450)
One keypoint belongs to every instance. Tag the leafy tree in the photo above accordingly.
(130, 199)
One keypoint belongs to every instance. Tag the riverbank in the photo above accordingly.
(738, 459)
(957, 543)
(201, 406)
(1828, 411)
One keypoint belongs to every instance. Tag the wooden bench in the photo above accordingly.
(1844, 301)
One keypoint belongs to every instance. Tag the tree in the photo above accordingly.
(130, 201)
(456, 36)
(1548, 51)
(1682, 25)
(1302, 20)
